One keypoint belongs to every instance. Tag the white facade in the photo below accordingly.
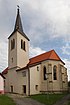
(1, 85)
(18, 61)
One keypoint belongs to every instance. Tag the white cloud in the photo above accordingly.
(3, 55)
(35, 51)
(67, 63)
(49, 16)
(52, 15)
(66, 49)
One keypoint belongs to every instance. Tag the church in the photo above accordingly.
(27, 76)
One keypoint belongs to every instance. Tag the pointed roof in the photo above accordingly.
(50, 55)
(18, 26)
(18, 23)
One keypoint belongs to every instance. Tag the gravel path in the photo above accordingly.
(63, 101)
(26, 101)
(21, 100)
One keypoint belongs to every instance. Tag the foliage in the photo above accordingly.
(5, 100)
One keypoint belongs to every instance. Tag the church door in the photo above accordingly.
(24, 89)
(11, 89)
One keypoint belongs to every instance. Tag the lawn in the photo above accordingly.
(47, 99)
(5, 100)
(69, 103)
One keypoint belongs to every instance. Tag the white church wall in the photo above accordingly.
(12, 54)
(22, 55)
(35, 79)
(13, 80)
(1, 85)
(22, 81)
(6, 83)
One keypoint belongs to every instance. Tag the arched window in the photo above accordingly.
(55, 72)
(12, 44)
(44, 73)
(23, 45)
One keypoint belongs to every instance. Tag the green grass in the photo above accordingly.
(5, 100)
(48, 99)
(69, 103)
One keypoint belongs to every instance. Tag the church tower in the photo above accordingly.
(18, 54)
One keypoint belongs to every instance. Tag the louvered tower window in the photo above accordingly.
(12, 44)
(23, 45)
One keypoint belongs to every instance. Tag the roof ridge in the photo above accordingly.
(41, 54)
(57, 55)
(50, 53)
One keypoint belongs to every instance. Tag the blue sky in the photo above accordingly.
(46, 23)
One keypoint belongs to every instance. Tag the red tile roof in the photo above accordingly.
(5, 71)
(50, 55)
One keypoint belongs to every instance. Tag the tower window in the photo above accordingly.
(55, 72)
(22, 44)
(44, 73)
(12, 44)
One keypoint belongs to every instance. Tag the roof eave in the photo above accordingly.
(2, 76)
(23, 34)
(36, 63)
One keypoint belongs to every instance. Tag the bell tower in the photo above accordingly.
(18, 48)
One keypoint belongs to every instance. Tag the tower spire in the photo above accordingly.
(18, 23)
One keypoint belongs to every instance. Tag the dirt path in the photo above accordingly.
(21, 100)
(63, 101)
(27, 101)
